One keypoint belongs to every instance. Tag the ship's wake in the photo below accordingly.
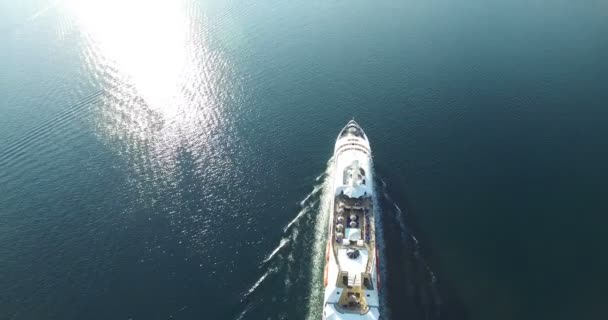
(411, 288)
(290, 285)
(315, 302)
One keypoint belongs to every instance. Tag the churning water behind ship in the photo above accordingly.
(410, 287)
(290, 283)
(413, 287)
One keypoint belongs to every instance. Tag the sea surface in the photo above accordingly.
(168, 159)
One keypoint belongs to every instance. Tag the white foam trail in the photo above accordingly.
(383, 183)
(257, 284)
(415, 239)
(405, 234)
(318, 249)
(287, 281)
(276, 250)
(312, 193)
(303, 202)
(242, 314)
(317, 188)
(320, 176)
(379, 220)
(298, 217)
(400, 219)
(396, 207)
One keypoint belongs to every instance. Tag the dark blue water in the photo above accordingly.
(166, 160)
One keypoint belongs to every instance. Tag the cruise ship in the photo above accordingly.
(351, 277)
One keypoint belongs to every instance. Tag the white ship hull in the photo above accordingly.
(351, 279)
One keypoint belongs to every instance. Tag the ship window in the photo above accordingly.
(346, 148)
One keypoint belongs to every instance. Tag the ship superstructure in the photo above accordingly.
(351, 268)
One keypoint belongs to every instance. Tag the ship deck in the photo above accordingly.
(356, 218)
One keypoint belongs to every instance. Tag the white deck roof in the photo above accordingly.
(353, 233)
(346, 159)
(353, 266)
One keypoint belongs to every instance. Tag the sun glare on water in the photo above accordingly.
(165, 87)
(145, 40)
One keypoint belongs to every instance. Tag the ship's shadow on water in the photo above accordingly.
(413, 284)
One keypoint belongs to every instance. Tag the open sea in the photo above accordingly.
(167, 159)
